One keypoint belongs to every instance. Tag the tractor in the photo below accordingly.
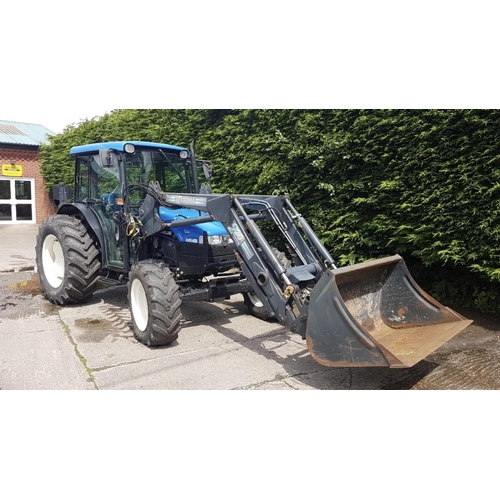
(139, 214)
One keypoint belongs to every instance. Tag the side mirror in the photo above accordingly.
(207, 169)
(105, 157)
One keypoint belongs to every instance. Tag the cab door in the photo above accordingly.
(99, 188)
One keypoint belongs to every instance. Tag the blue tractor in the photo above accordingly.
(140, 215)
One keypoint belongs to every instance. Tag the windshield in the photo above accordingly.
(162, 166)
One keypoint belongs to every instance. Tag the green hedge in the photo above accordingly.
(423, 183)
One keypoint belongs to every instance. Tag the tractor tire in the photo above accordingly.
(255, 306)
(155, 304)
(252, 301)
(68, 260)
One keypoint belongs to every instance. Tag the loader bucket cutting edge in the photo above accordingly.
(374, 314)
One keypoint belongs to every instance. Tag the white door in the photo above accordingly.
(17, 200)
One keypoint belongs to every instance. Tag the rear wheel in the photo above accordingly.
(67, 259)
(155, 304)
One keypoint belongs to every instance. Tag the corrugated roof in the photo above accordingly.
(28, 134)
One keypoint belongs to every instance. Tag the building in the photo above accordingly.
(23, 197)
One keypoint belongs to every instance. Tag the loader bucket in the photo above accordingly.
(374, 314)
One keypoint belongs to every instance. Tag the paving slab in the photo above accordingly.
(17, 245)
(36, 352)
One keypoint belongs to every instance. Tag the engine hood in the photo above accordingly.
(191, 233)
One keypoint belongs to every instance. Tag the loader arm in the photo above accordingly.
(370, 314)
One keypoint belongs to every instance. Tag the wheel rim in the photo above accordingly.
(255, 300)
(139, 305)
(53, 261)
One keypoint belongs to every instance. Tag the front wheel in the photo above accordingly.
(255, 306)
(155, 304)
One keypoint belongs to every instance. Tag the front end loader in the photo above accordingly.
(369, 314)
(141, 216)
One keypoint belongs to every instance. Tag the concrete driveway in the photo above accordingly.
(91, 346)
(220, 346)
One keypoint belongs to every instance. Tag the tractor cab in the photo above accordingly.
(109, 168)
(112, 181)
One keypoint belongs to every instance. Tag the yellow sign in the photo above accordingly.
(12, 170)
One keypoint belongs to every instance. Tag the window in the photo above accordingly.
(82, 178)
(23, 190)
(16, 200)
(5, 189)
(5, 212)
(24, 212)
(94, 181)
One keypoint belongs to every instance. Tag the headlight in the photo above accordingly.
(129, 148)
(214, 240)
(217, 240)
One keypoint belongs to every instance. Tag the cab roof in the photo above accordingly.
(119, 145)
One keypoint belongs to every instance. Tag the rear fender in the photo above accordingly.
(87, 215)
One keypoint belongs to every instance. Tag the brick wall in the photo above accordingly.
(28, 159)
